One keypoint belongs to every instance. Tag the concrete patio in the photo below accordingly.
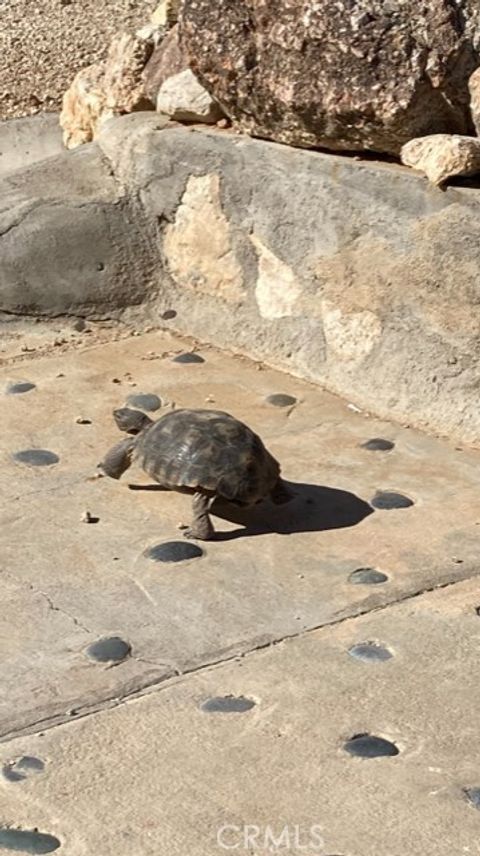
(221, 717)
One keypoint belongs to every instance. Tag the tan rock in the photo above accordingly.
(105, 90)
(166, 13)
(184, 99)
(441, 156)
(474, 89)
(83, 105)
(198, 245)
(123, 81)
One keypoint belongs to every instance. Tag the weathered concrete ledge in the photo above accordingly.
(354, 274)
(26, 141)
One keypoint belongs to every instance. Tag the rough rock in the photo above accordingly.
(167, 60)
(124, 89)
(105, 90)
(362, 74)
(184, 99)
(474, 89)
(83, 105)
(441, 156)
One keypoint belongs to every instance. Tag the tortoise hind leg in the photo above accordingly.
(201, 527)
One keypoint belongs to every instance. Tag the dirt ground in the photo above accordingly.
(43, 45)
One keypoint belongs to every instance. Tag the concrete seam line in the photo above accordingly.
(169, 680)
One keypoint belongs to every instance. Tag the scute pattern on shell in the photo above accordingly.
(209, 451)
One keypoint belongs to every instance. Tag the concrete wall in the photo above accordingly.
(354, 274)
(26, 141)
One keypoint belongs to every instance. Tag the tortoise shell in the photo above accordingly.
(207, 451)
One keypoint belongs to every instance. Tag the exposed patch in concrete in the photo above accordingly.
(198, 245)
(350, 336)
(277, 289)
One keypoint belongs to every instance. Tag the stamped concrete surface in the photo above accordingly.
(119, 673)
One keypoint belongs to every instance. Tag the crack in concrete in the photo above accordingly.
(176, 676)
(51, 605)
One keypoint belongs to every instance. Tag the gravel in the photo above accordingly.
(43, 43)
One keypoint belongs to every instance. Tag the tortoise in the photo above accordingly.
(205, 452)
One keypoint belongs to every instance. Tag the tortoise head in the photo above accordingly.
(131, 421)
(118, 458)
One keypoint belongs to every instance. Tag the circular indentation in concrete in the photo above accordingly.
(36, 457)
(227, 704)
(28, 841)
(367, 577)
(20, 387)
(112, 649)
(369, 746)
(473, 796)
(174, 551)
(370, 652)
(169, 314)
(385, 500)
(144, 400)
(188, 357)
(378, 444)
(22, 768)
(280, 399)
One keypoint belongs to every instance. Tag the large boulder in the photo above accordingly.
(356, 74)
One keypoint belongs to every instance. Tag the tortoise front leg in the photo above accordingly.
(201, 527)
